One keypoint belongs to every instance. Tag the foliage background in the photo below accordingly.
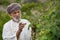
(43, 14)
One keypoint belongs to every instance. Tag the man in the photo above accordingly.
(16, 28)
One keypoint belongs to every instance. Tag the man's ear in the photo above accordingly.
(10, 15)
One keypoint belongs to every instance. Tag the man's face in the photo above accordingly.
(16, 15)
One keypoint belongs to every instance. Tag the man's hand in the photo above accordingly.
(21, 26)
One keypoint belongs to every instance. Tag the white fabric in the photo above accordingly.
(10, 28)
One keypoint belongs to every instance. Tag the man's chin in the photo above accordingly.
(16, 20)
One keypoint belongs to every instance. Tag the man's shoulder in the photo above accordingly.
(8, 23)
(25, 20)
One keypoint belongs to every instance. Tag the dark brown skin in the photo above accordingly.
(21, 26)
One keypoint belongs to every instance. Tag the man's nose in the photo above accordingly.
(17, 14)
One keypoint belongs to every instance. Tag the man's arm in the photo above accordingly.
(21, 26)
(18, 33)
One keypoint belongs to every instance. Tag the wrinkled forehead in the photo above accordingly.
(13, 7)
(16, 11)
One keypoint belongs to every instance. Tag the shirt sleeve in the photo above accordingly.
(29, 34)
(7, 33)
(28, 31)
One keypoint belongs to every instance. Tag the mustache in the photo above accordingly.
(17, 17)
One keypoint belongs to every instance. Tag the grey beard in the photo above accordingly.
(16, 20)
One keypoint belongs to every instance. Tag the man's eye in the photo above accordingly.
(14, 12)
(18, 12)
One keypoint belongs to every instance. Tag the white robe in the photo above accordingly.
(10, 28)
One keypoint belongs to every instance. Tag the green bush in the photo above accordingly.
(48, 26)
(4, 2)
(46, 20)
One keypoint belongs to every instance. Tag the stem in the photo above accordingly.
(33, 32)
